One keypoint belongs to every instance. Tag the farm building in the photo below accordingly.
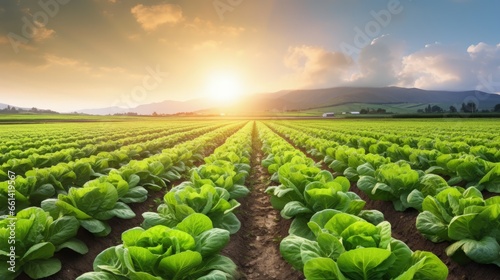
(325, 115)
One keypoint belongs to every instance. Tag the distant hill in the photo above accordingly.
(308, 99)
(164, 107)
(409, 100)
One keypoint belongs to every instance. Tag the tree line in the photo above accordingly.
(470, 107)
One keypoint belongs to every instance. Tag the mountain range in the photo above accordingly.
(307, 99)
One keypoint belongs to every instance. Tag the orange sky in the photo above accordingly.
(69, 55)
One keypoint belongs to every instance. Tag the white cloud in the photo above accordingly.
(150, 17)
(436, 66)
(439, 66)
(379, 63)
(315, 66)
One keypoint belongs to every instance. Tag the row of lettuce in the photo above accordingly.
(458, 166)
(184, 237)
(20, 161)
(144, 146)
(378, 143)
(30, 239)
(45, 138)
(458, 136)
(42, 183)
(447, 213)
(332, 236)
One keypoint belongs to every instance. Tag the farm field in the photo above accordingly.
(250, 199)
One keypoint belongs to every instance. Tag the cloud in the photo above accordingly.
(440, 66)
(379, 62)
(315, 66)
(41, 33)
(207, 27)
(150, 17)
(436, 66)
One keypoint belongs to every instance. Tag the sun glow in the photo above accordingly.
(224, 87)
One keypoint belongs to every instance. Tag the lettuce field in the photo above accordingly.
(217, 199)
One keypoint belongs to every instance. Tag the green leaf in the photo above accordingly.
(195, 224)
(75, 245)
(211, 241)
(62, 229)
(432, 227)
(135, 195)
(365, 263)
(433, 267)
(143, 260)
(294, 208)
(178, 265)
(321, 269)
(290, 250)
(99, 276)
(486, 250)
(96, 227)
(39, 251)
(42, 268)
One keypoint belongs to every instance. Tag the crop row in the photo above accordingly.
(39, 184)
(37, 233)
(331, 236)
(376, 142)
(448, 213)
(87, 146)
(345, 159)
(36, 136)
(411, 133)
(182, 240)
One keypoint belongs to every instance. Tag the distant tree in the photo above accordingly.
(420, 111)
(470, 107)
(453, 109)
(363, 111)
(436, 109)
(497, 108)
(381, 111)
(485, 111)
(155, 114)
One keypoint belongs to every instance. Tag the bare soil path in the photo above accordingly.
(255, 247)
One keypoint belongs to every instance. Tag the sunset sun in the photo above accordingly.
(224, 87)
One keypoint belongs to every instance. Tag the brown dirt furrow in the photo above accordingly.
(404, 228)
(74, 264)
(255, 247)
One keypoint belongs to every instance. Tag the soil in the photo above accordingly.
(404, 228)
(255, 247)
(74, 264)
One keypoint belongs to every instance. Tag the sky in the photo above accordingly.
(69, 55)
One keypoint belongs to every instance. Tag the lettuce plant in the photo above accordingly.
(188, 251)
(91, 205)
(347, 247)
(223, 174)
(186, 199)
(398, 183)
(37, 237)
(465, 217)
